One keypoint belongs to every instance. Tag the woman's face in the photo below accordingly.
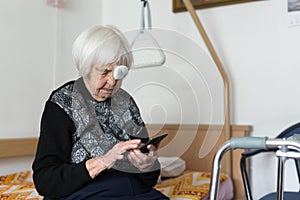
(101, 83)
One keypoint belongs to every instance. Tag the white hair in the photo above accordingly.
(100, 45)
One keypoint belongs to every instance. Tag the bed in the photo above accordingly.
(193, 183)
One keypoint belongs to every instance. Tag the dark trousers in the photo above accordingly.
(115, 186)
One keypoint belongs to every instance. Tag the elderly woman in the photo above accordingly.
(91, 129)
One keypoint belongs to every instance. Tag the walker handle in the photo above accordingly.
(248, 142)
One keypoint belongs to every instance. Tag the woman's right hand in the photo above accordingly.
(98, 164)
(117, 152)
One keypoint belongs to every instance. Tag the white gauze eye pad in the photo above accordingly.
(120, 72)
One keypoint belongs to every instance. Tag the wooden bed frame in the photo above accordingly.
(192, 136)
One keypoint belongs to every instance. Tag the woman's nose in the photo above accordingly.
(111, 80)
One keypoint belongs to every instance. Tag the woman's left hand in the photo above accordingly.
(144, 162)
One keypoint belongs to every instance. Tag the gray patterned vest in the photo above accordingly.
(99, 125)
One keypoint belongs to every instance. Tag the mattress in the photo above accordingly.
(191, 185)
(194, 185)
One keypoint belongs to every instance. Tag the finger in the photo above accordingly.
(132, 158)
(135, 141)
(137, 153)
(151, 153)
(128, 142)
(151, 147)
(127, 145)
(137, 156)
(141, 164)
(129, 155)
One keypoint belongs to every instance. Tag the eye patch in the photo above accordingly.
(120, 72)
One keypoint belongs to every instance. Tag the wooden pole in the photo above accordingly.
(220, 67)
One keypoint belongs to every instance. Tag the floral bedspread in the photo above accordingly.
(192, 185)
(18, 186)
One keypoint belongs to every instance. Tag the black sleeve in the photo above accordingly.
(54, 176)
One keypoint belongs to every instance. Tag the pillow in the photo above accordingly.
(171, 166)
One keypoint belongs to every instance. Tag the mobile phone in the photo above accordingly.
(154, 141)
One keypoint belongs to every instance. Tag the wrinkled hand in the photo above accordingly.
(117, 152)
(144, 162)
